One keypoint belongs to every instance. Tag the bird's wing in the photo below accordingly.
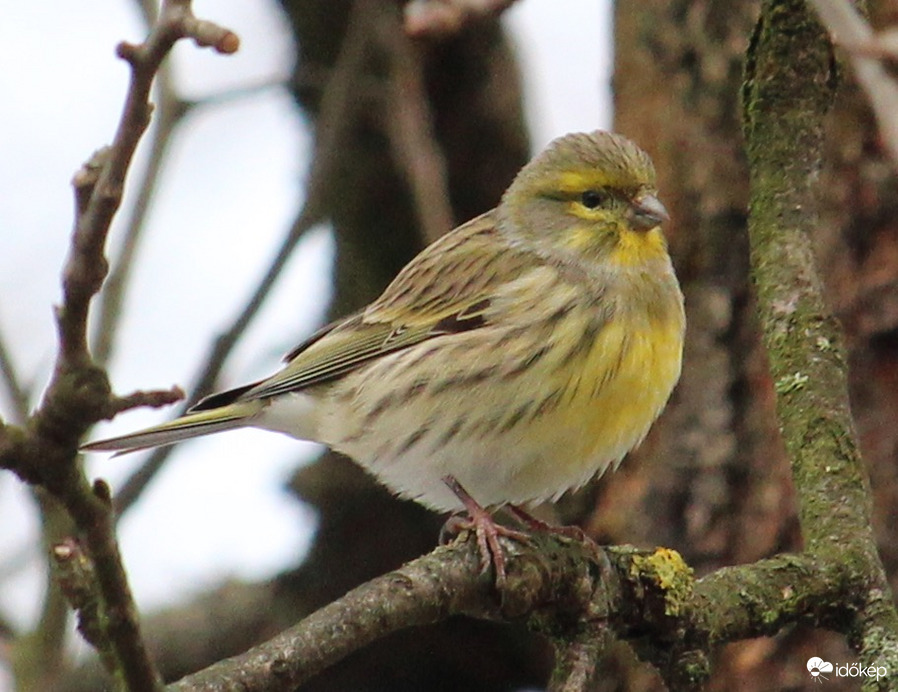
(446, 289)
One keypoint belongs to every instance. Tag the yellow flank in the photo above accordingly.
(624, 382)
(612, 395)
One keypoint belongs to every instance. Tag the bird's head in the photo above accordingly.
(587, 198)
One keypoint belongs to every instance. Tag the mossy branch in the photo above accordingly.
(578, 598)
(790, 84)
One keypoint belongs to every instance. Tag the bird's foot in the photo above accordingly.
(485, 528)
(574, 533)
(534, 524)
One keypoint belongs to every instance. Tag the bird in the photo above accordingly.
(517, 357)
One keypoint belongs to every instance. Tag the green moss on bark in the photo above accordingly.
(789, 87)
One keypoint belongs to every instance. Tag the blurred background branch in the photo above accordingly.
(866, 53)
(339, 109)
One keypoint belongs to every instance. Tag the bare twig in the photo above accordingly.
(44, 452)
(156, 398)
(445, 17)
(18, 394)
(848, 28)
(238, 93)
(338, 109)
(409, 124)
(86, 267)
(171, 111)
(149, 9)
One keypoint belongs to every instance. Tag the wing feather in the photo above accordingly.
(445, 289)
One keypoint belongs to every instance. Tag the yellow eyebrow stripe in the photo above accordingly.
(571, 181)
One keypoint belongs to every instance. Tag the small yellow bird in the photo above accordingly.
(520, 355)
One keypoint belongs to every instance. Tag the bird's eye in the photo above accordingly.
(591, 199)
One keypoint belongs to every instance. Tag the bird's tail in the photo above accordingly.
(230, 417)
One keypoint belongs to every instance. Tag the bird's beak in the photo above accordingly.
(646, 213)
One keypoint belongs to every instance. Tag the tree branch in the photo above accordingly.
(788, 90)
(86, 267)
(44, 453)
(156, 398)
(561, 588)
(171, 111)
(849, 29)
(446, 17)
(409, 125)
(426, 590)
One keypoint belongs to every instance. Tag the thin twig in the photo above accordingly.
(44, 452)
(409, 124)
(19, 395)
(338, 110)
(149, 9)
(849, 29)
(238, 93)
(154, 398)
(85, 267)
(447, 17)
(170, 112)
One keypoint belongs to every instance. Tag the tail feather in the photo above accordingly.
(183, 428)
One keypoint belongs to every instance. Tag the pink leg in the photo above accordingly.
(534, 524)
(574, 533)
(485, 528)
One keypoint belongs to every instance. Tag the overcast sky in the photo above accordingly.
(232, 185)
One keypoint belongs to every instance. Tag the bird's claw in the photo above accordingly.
(485, 528)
